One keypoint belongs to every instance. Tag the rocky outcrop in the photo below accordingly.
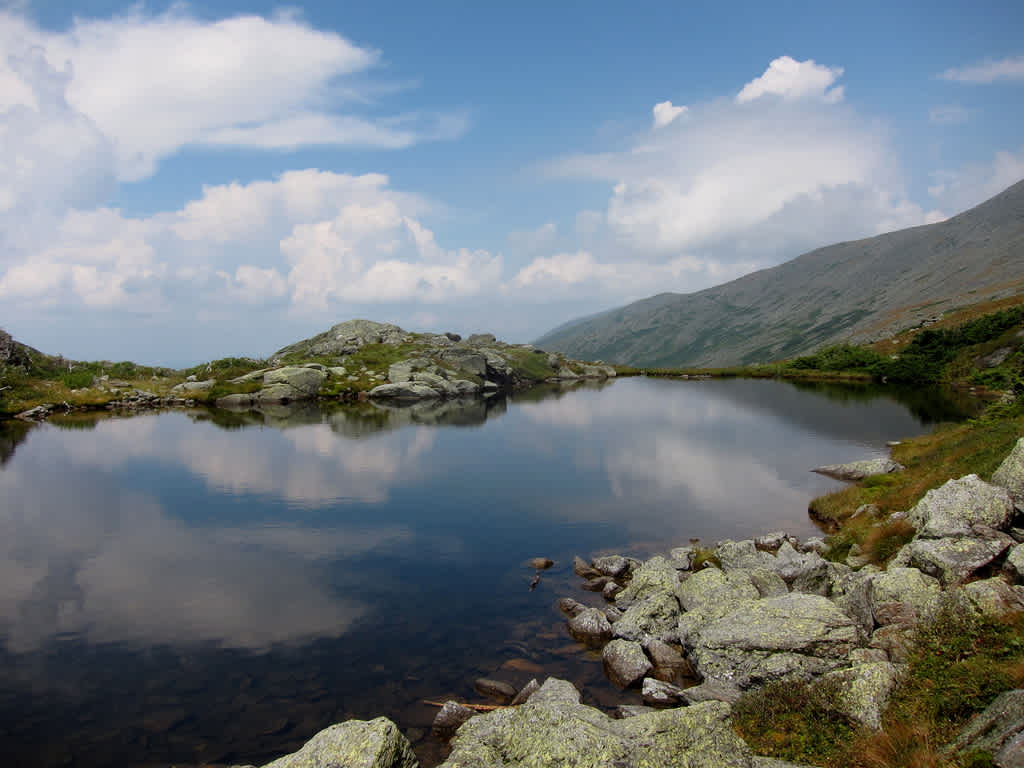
(345, 339)
(353, 744)
(858, 470)
(554, 728)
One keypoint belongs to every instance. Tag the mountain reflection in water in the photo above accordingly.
(215, 586)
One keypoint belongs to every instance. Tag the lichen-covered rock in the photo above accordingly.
(625, 662)
(1014, 564)
(858, 470)
(958, 506)
(303, 382)
(712, 690)
(904, 585)
(810, 567)
(590, 627)
(187, 387)
(1010, 474)
(661, 693)
(853, 597)
(767, 582)
(656, 616)
(742, 555)
(710, 594)
(554, 729)
(953, 559)
(408, 390)
(668, 660)
(656, 576)
(863, 692)
(994, 597)
(997, 730)
(449, 718)
(768, 639)
(611, 565)
(353, 744)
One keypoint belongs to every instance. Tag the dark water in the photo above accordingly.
(212, 587)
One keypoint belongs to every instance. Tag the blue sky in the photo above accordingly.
(181, 182)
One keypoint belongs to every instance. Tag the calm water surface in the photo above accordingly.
(211, 587)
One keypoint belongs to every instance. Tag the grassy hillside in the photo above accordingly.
(861, 291)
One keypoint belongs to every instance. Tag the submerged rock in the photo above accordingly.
(498, 690)
(353, 744)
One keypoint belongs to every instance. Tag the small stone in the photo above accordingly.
(448, 720)
(611, 589)
(541, 563)
(500, 691)
(625, 662)
(770, 540)
(583, 569)
(611, 565)
(661, 694)
(570, 607)
(590, 627)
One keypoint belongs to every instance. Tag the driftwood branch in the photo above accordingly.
(477, 707)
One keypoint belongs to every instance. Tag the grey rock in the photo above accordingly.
(625, 662)
(526, 692)
(554, 729)
(449, 718)
(404, 391)
(1014, 564)
(466, 388)
(661, 694)
(668, 660)
(470, 361)
(570, 607)
(710, 594)
(235, 401)
(439, 384)
(742, 555)
(953, 559)
(712, 690)
(657, 575)
(583, 569)
(994, 597)
(193, 386)
(655, 617)
(345, 338)
(760, 761)
(959, 506)
(768, 639)
(611, 589)
(997, 730)
(481, 339)
(858, 470)
(682, 558)
(867, 656)
(904, 585)
(768, 583)
(771, 540)
(611, 565)
(353, 744)
(864, 691)
(597, 584)
(632, 710)
(896, 613)
(1010, 474)
(303, 383)
(591, 627)
(498, 690)
(613, 614)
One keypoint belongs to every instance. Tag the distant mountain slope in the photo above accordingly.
(857, 291)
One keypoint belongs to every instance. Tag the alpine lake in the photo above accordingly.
(210, 587)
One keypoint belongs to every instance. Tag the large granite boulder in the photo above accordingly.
(1010, 474)
(554, 729)
(762, 640)
(290, 383)
(654, 617)
(994, 597)
(656, 576)
(858, 470)
(353, 744)
(960, 506)
(710, 594)
(952, 559)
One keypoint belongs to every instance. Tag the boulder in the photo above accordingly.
(353, 744)
(858, 470)
(771, 540)
(570, 607)
(863, 692)
(590, 627)
(404, 391)
(657, 575)
(852, 595)
(193, 386)
(998, 730)
(669, 663)
(810, 568)
(952, 560)
(554, 728)
(742, 555)
(301, 383)
(767, 582)
(438, 383)
(763, 640)
(654, 617)
(1014, 564)
(710, 594)
(625, 662)
(611, 565)
(957, 507)
(583, 569)
(994, 597)
(236, 401)
(1010, 474)
(908, 586)
(468, 360)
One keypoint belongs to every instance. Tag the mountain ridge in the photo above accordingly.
(857, 291)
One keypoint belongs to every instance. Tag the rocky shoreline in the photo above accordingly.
(736, 617)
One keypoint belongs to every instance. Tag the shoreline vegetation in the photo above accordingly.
(954, 662)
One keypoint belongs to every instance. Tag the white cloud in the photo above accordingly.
(949, 114)
(665, 112)
(988, 71)
(794, 80)
(152, 84)
(958, 190)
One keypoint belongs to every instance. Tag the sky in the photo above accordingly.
(181, 182)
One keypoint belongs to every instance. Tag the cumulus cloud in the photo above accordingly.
(793, 80)
(152, 84)
(665, 112)
(988, 71)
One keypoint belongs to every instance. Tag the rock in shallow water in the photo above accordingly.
(498, 690)
(591, 627)
(353, 744)
(448, 720)
(625, 662)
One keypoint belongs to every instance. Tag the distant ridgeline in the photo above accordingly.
(857, 292)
